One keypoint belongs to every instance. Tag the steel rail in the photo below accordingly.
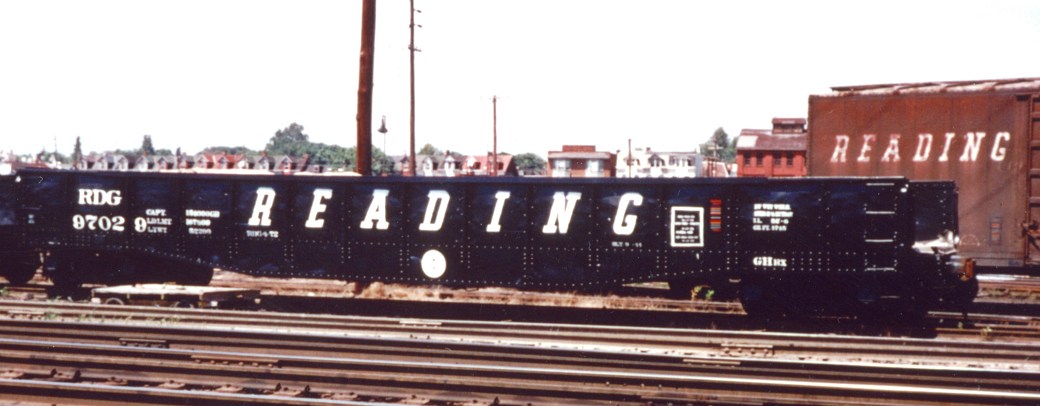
(41, 391)
(310, 338)
(733, 343)
(459, 372)
(690, 342)
(168, 337)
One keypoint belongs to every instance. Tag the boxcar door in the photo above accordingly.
(1031, 225)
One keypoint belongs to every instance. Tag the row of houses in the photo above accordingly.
(641, 162)
(571, 161)
(776, 152)
(11, 162)
(455, 164)
(145, 163)
(447, 164)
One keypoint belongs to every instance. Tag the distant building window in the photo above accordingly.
(758, 159)
(776, 159)
(595, 168)
(790, 158)
(561, 168)
(747, 159)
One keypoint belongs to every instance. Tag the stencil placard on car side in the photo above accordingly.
(687, 226)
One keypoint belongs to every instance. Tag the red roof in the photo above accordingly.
(765, 140)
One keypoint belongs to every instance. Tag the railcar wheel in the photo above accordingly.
(680, 290)
(772, 299)
(910, 311)
(183, 304)
(194, 275)
(868, 304)
(725, 292)
(905, 309)
(65, 280)
(967, 293)
(21, 270)
(757, 301)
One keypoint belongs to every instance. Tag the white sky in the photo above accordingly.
(195, 73)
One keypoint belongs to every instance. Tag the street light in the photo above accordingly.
(382, 129)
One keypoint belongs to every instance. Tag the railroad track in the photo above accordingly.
(631, 306)
(1011, 295)
(825, 347)
(454, 362)
(1009, 288)
(987, 326)
(999, 294)
(644, 309)
(639, 298)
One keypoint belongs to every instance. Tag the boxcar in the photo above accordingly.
(789, 246)
(984, 135)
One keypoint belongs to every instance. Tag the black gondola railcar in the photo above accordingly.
(785, 246)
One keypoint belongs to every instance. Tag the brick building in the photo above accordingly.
(581, 161)
(779, 152)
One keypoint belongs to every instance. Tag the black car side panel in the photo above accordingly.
(563, 233)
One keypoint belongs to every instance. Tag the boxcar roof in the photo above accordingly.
(971, 86)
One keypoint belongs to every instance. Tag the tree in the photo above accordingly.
(381, 162)
(51, 157)
(720, 146)
(294, 132)
(429, 149)
(230, 150)
(289, 141)
(329, 155)
(77, 151)
(292, 141)
(529, 163)
(146, 146)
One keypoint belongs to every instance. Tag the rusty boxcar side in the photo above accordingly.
(984, 135)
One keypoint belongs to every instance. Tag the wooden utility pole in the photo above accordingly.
(629, 159)
(411, 122)
(365, 73)
(494, 135)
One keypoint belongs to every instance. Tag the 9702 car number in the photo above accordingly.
(94, 222)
